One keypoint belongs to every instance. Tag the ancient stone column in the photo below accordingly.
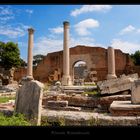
(111, 63)
(66, 79)
(30, 54)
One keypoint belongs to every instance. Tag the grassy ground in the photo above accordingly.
(91, 93)
(6, 99)
(14, 120)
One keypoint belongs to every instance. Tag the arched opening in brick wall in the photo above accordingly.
(80, 72)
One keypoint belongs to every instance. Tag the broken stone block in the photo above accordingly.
(124, 108)
(29, 100)
(112, 86)
(135, 92)
(57, 104)
(106, 101)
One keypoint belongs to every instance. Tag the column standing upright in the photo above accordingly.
(66, 79)
(111, 63)
(30, 54)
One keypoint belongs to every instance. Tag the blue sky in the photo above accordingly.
(94, 25)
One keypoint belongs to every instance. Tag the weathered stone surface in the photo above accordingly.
(135, 92)
(7, 108)
(73, 91)
(105, 102)
(76, 100)
(29, 100)
(57, 104)
(138, 120)
(67, 108)
(108, 120)
(7, 94)
(85, 101)
(111, 63)
(116, 85)
(66, 78)
(79, 118)
(81, 88)
(124, 108)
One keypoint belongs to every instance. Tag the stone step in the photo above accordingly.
(74, 91)
(57, 104)
(80, 118)
(68, 108)
(124, 108)
(79, 87)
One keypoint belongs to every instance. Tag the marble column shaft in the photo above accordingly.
(66, 79)
(30, 53)
(111, 63)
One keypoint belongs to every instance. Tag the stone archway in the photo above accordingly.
(82, 57)
(79, 72)
(77, 58)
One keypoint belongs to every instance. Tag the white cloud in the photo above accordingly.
(127, 29)
(6, 13)
(3, 19)
(5, 10)
(83, 26)
(125, 46)
(45, 45)
(29, 11)
(90, 8)
(82, 41)
(13, 31)
(57, 30)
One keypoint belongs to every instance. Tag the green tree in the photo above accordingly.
(136, 57)
(9, 55)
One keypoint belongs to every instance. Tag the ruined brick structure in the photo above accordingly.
(51, 67)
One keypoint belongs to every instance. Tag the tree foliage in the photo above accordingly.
(136, 57)
(9, 55)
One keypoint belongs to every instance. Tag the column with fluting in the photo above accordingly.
(30, 53)
(66, 79)
(111, 63)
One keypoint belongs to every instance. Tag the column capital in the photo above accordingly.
(66, 23)
(31, 30)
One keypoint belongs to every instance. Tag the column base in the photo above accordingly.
(66, 80)
(29, 77)
(111, 76)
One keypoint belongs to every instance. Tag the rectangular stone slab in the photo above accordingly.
(116, 85)
(124, 108)
(56, 104)
(29, 100)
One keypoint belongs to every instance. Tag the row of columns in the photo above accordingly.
(66, 78)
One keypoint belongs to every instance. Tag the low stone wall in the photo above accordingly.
(89, 102)
(105, 102)
(75, 118)
(76, 100)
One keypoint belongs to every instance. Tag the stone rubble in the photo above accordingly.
(113, 86)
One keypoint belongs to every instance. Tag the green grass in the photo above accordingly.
(14, 120)
(6, 99)
(92, 93)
